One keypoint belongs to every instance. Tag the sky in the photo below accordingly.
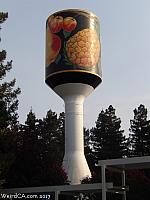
(125, 59)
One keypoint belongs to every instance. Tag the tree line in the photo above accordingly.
(31, 154)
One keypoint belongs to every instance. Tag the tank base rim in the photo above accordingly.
(73, 77)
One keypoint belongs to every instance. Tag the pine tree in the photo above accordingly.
(25, 169)
(140, 132)
(8, 95)
(3, 17)
(39, 153)
(8, 112)
(61, 135)
(88, 149)
(107, 137)
(52, 133)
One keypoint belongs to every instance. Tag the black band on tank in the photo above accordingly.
(73, 77)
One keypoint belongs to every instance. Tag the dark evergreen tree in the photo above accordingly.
(50, 135)
(25, 169)
(107, 137)
(140, 133)
(3, 17)
(108, 142)
(61, 134)
(39, 153)
(8, 112)
(88, 150)
(8, 95)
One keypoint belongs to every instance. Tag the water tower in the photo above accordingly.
(73, 71)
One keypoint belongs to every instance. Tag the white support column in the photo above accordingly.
(74, 161)
(103, 169)
(124, 184)
(57, 195)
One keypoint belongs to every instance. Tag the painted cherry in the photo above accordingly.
(55, 23)
(69, 24)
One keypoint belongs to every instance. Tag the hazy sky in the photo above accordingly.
(125, 39)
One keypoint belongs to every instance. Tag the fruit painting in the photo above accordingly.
(69, 24)
(72, 42)
(53, 45)
(55, 23)
(83, 48)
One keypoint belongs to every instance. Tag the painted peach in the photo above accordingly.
(55, 23)
(56, 44)
(53, 46)
(69, 24)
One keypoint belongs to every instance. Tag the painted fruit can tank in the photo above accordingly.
(73, 48)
